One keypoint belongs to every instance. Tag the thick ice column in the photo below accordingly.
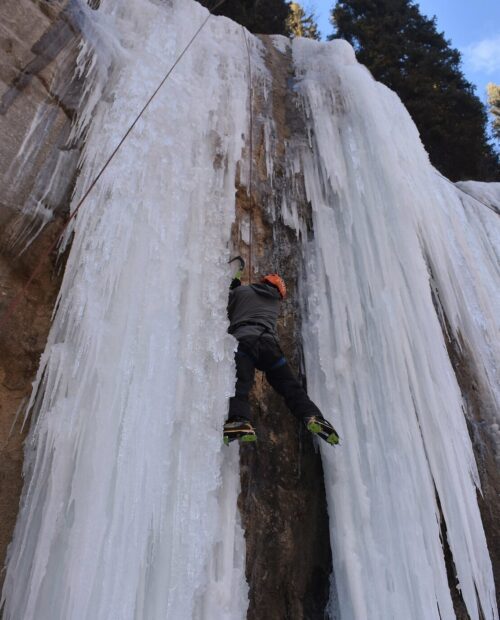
(125, 501)
(375, 353)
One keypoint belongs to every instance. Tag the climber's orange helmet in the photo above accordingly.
(277, 281)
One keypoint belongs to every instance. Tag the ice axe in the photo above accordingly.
(239, 273)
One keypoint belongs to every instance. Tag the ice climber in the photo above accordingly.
(253, 313)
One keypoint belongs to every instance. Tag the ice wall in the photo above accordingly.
(129, 508)
(384, 223)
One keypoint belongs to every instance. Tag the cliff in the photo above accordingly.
(38, 99)
(132, 507)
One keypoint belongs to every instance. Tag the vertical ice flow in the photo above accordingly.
(126, 513)
(384, 223)
(129, 508)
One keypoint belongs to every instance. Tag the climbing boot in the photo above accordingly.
(317, 425)
(242, 430)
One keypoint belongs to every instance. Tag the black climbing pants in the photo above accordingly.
(265, 354)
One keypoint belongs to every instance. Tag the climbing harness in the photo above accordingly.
(11, 308)
(250, 181)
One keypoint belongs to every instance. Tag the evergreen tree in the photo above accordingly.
(300, 24)
(494, 103)
(403, 49)
(259, 16)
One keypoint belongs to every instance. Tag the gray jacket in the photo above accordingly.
(258, 304)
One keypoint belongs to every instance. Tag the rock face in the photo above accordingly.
(21, 345)
(38, 99)
(479, 411)
(282, 502)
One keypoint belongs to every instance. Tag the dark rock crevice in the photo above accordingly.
(451, 571)
(478, 409)
(282, 502)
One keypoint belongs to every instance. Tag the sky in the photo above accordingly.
(473, 26)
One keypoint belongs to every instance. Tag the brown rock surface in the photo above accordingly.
(282, 501)
(22, 341)
(38, 99)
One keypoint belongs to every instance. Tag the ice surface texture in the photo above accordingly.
(384, 222)
(129, 508)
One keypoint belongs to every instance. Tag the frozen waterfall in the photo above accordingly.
(384, 222)
(129, 507)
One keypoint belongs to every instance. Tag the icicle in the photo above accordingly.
(123, 508)
(129, 507)
(375, 352)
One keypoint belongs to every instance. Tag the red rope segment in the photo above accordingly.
(12, 307)
(250, 99)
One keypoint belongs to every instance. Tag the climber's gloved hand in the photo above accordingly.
(236, 280)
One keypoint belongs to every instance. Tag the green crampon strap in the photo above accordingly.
(248, 438)
(316, 428)
(333, 439)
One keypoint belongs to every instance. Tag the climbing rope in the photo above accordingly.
(11, 308)
(250, 100)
